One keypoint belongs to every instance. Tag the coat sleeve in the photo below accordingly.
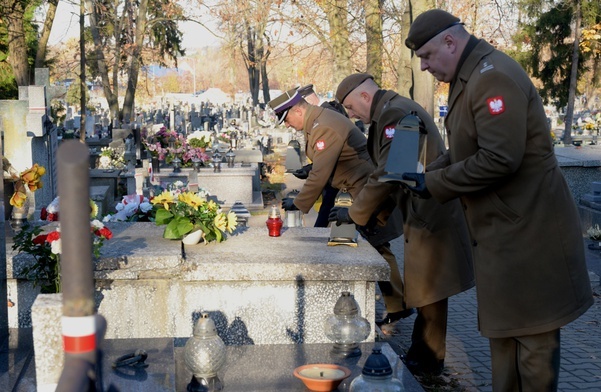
(327, 145)
(374, 193)
(499, 109)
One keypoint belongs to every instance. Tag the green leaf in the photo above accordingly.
(163, 217)
(177, 228)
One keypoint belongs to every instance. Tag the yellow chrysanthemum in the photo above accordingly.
(212, 206)
(164, 198)
(232, 221)
(93, 209)
(220, 222)
(191, 199)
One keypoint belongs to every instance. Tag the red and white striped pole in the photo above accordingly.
(79, 322)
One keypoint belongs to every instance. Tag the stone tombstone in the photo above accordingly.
(159, 118)
(293, 156)
(30, 137)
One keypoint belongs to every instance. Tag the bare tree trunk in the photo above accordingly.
(134, 62)
(17, 47)
(422, 89)
(82, 72)
(250, 58)
(40, 56)
(375, 41)
(404, 71)
(336, 11)
(111, 98)
(567, 135)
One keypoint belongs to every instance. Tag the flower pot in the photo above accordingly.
(192, 238)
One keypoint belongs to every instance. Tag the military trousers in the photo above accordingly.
(393, 290)
(526, 363)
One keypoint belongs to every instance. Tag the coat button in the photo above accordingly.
(406, 240)
(475, 243)
(464, 207)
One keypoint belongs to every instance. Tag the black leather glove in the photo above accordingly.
(340, 215)
(303, 172)
(288, 204)
(420, 188)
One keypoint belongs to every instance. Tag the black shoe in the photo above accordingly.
(392, 318)
(419, 369)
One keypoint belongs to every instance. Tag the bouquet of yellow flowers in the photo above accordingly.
(187, 212)
(30, 178)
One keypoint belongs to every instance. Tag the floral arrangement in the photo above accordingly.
(200, 139)
(132, 208)
(110, 158)
(594, 233)
(157, 143)
(186, 212)
(27, 179)
(45, 247)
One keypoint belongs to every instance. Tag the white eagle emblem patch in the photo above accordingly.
(496, 105)
(320, 145)
(389, 132)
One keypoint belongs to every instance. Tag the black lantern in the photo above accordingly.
(230, 157)
(216, 161)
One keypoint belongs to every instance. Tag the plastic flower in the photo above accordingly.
(191, 199)
(164, 198)
(32, 177)
(232, 221)
(18, 199)
(220, 222)
(93, 209)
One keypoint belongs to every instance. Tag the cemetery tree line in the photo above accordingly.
(287, 42)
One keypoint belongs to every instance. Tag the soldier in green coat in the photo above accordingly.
(531, 275)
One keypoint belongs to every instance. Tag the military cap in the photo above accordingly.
(350, 83)
(282, 104)
(306, 90)
(427, 26)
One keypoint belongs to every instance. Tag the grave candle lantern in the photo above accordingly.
(293, 218)
(216, 161)
(176, 161)
(274, 222)
(204, 355)
(230, 157)
(346, 328)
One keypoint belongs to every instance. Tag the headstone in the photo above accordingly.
(293, 156)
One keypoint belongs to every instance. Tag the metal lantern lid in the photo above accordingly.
(205, 327)
(292, 194)
(343, 199)
(377, 365)
(346, 305)
(274, 212)
(230, 154)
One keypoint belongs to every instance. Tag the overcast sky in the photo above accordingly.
(66, 25)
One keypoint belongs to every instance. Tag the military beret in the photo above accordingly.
(427, 26)
(284, 102)
(306, 90)
(350, 83)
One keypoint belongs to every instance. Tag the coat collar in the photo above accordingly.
(310, 116)
(481, 49)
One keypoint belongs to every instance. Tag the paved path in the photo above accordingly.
(468, 356)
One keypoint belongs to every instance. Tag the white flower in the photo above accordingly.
(145, 207)
(120, 206)
(55, 247)
(53, 206)
(97, 225)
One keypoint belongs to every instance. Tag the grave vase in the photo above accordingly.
(154, 160)
(192, 238)
(18, 216)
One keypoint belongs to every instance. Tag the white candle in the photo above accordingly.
(322, 373)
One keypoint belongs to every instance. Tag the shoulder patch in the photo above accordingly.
(320, 145)
(496, 105)
(486, 66)
(389, 131)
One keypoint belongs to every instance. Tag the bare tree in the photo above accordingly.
(374, 38)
